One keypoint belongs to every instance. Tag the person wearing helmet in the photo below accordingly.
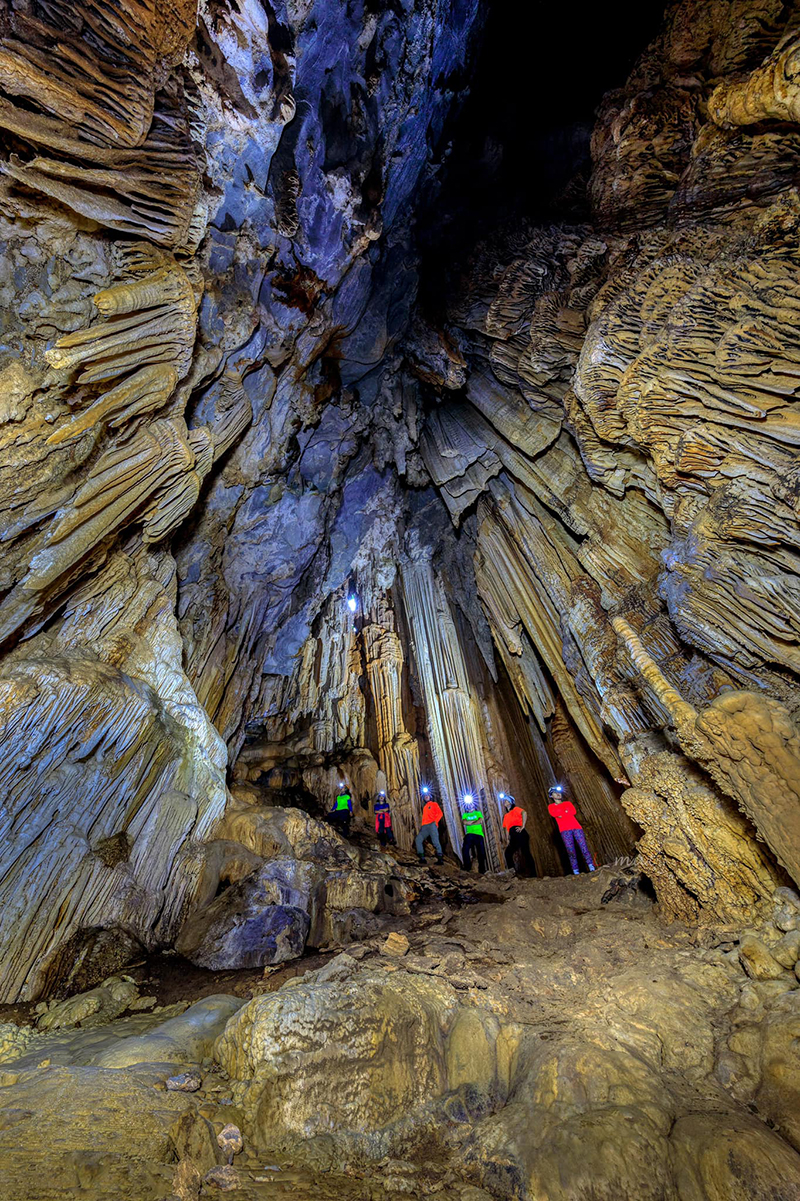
(429, 827)
(383, 821)
(342, 811)
(518, 850)
(569, 828)
(473, 835)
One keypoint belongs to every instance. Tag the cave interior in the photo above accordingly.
(396, 404)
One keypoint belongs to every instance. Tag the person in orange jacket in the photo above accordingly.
(429, 826)
(518, 847)
(569, 828)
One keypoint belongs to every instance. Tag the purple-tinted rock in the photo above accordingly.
(186, 1082)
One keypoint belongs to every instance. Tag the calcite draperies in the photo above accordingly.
(454, 724)
(398, 753)
(103, 740)
(637, 553)
(96, 84)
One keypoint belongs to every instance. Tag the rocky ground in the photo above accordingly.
(547, 1039)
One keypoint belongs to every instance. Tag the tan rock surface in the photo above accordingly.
(527, 1043)
(266, 523)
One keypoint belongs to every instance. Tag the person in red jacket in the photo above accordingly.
(569, 828)
(383, 821)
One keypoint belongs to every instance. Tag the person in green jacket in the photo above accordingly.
(473, 835)
(342, 811)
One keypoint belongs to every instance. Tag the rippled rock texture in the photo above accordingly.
(205, 220)
(564, 506)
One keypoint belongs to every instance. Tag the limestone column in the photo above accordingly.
(454, 724)
(397, 750)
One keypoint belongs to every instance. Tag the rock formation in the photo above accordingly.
(215, 369)
(286, 509)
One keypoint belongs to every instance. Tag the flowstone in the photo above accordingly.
(533, 1040)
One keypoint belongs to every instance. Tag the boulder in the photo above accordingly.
(186, 1082)
(314, 889)
(230, 1141)
(732, 1157)
(786, 951)
(785, 917)
(757, 960)
(396, 945)
(239, 930)
(276, 833)
(98, 1005)
(353, 1053)
(225, 1178)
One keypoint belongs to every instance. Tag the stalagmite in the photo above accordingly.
(748, 744)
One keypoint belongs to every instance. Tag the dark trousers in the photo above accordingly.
(385, 834)
(518, 852)
(474, 842)
(573, 839)
(341, 819)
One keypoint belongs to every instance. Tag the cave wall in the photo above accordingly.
(221, 411)
(205, 225)
(622, 430)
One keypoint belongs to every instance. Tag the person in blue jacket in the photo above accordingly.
(383, 821)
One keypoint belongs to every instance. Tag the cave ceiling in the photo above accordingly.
(303, 301)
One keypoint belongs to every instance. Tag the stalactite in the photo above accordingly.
(146, 341)
(453, 720)
(153, 476)
(124, 129)
(397, 751)
(327, 681)
(524, 580)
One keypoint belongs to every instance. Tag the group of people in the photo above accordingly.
(517, 849)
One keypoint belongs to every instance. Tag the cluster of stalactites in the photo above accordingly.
(624, 432)
(99, 87)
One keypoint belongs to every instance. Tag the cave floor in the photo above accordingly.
(550, 956)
